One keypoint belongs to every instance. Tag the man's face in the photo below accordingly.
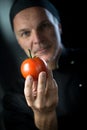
(36, 29)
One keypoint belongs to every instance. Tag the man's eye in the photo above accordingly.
(25, 34)
(45, 25)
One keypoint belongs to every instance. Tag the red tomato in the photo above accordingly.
(33, 66)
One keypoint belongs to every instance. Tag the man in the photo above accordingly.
(50, 103)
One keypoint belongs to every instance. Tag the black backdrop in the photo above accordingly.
(73, 19)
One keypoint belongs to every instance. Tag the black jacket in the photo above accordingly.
(71, 110)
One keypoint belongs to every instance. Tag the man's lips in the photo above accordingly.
(42, 50)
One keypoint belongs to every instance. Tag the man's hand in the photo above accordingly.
(42, 97)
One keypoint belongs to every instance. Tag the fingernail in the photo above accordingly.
(43, 74)
(29, 78)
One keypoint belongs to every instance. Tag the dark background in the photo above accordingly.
(73, 19)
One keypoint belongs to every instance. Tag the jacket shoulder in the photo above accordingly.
(73, 58)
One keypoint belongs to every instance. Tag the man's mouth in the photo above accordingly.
(42, 51)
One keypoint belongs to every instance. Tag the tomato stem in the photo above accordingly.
(30, 56)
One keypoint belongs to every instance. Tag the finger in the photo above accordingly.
(49, 84)
(50, 74)
(28, 90)
(56, 97)
(55, 84)
(34, 89)
(41, 87)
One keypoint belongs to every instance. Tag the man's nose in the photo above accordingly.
(36, 37)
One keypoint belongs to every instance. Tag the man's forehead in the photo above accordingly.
(20, 5)
(33, 16)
